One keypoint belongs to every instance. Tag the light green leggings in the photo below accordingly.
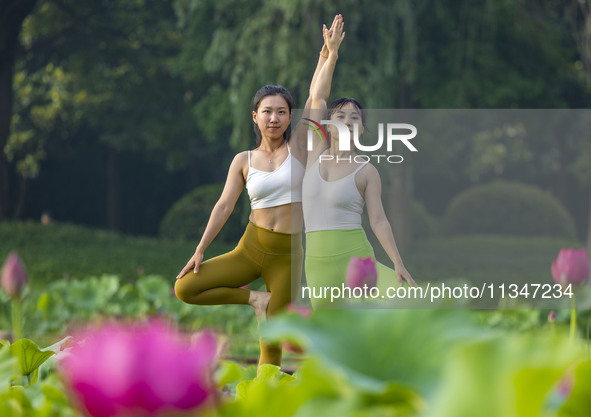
(328, 253)
(275, 257)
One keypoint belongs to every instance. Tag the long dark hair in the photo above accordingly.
(271, 90)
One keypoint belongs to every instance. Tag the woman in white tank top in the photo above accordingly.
(271, 246)
(333, 195)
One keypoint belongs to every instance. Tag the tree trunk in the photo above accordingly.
(113, 191)
(5, 113)
(589, 224)
(22, 196)
(400, 194)
(12, 14)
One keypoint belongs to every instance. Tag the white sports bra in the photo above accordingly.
(275, 188)
(331, 205)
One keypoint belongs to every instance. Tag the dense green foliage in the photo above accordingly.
(506, 208)
(157, 95)
(51, 311)
(187, 218)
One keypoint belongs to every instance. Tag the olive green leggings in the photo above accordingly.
(275, 257)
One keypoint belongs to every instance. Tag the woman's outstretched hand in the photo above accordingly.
(194, 263)
(333, 36)
(324, 51)
(403, 274)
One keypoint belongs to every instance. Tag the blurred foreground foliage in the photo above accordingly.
(415, 363)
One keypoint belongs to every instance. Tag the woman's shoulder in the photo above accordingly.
(241, 157)
(367, 172)
(240, 162)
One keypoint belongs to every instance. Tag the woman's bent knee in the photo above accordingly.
(183, 290)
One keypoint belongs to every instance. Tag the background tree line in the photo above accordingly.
(111, 110)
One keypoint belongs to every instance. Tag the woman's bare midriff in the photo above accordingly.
(287, 218)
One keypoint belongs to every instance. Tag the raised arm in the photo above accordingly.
(315, 108)
(378, 221)
(320, 87)
(221, 211)
(324, 52)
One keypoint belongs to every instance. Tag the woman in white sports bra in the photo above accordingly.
(271, 246)
(333, 195)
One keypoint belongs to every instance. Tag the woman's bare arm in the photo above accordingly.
(315, 108)
(221, 211)
(379, 222)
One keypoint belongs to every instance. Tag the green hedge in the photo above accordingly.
(188, 217)
(508, 208)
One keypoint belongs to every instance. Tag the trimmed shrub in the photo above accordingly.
(188, 217)
(508, 208)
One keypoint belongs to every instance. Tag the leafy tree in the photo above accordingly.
(103, 67)
(580, 15)
(12, 14)
(156, 85)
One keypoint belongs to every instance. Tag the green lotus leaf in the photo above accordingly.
(504, 375)
(377, 347)
(29, 356)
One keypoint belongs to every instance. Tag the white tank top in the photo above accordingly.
(331, 205)
(275, 188)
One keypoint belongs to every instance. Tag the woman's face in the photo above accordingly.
(272, 116)
(350, 115)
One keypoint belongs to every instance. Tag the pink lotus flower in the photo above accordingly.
(14, 276)
(552, 317)
(361, 272)
(571, 267)
(139, 371)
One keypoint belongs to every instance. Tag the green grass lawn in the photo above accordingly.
(58, 250)
(482, 258)
(65, 250)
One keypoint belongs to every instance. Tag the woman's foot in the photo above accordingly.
(260, 301)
